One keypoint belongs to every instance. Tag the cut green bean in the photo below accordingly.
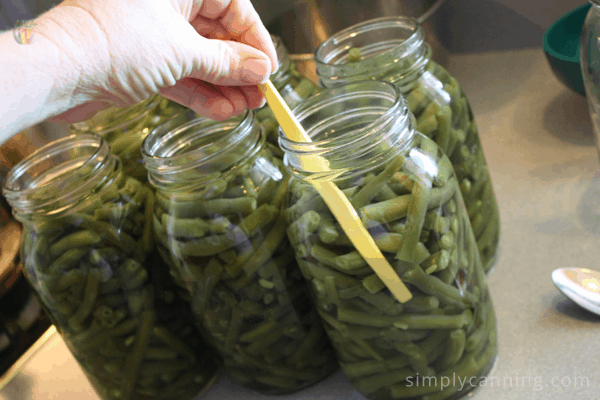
(234, 261)
(98, 284)
(380, 342)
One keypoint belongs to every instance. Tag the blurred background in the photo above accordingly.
(464, 26)
(452, 27)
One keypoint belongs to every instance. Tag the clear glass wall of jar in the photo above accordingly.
(218, 224)
(293, 87)
(589, 55)
(394, 50)
(87, 240)
(22, 320)
(403, 188)
(125, 128)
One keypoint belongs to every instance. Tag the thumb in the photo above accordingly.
(227, 63)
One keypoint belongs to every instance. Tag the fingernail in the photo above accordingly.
(262, 103)
(255, 70)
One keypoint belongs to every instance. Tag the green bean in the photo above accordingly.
(307, 201)
(219, 225)
(68, 260)
(74, 240)
(422, 304)
(241, 280)
(373, 283)
(85, 308)
(206, 246)
(327, 230)
(273, 239)
(332, 290)
(485, 324)
(70, 278)
(184, 227)
(174, 343)
(444, 128)
(443, 113)
(267, 339)
(97, 285)
(383, 303)
(408, 321)
(367, 192)
(386, 211)
(93, 338)
(417, 99)
(424, 223)
(134, 360)
(434, 286)
(416, 358)
(454, 350)
(260, 218)
(135, 280)
(354, 54)
(436, 262)
(306, 225)
(417, 209)
(320, 273)
(346, 262)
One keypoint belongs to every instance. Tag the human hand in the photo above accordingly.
(208, 55)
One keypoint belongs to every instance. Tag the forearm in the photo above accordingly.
(39, 78)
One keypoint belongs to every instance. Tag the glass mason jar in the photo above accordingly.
(393, 49)
(125, 129)
(403, 187)
(21, 315)
(87, 245)
(589, 55)
(218, 224)
(293, 87)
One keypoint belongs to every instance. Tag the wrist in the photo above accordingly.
(50, 74)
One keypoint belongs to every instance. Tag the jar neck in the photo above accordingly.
(60, 176)
(200, 151)
(115, 118)
(281, 74)
(392, 49)
(354, 128)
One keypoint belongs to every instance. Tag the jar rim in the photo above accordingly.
(315, 102)
(339, 41)
(194, 145)
(76, 175)
(97, 125)
(154, 145)
(344, 147)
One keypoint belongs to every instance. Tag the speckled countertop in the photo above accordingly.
(540, 149)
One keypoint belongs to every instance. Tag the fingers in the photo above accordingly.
(253, 96)
(225, 63)
(239, 20)
(214, 102)
(80, 113)
(235, 97)
(201, 98)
